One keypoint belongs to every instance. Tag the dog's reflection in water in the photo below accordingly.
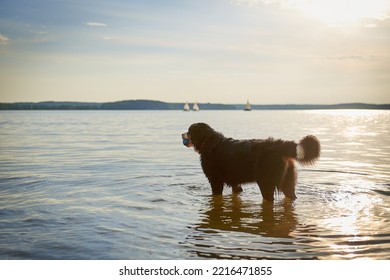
(230, 213)
(231, 228)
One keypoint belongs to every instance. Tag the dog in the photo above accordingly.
(269, 162)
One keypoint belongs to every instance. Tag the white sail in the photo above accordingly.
(248, 106)
(195, 107)
(186, 107)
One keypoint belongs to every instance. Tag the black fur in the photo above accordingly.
(269, 162)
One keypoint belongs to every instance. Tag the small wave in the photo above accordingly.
(364, 242)
(386, 193)
(158, 200)
(335, 171)
(139, 208)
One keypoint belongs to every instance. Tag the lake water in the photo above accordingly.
(120, 185)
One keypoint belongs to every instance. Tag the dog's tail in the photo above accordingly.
(308, 150)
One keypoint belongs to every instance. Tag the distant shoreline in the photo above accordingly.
(159, 105)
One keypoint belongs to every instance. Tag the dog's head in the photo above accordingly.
(197, 135)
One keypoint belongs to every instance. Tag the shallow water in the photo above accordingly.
(120, 185)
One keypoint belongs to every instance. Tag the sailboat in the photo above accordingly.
(248, 106)
(195, 107)
(186, 107)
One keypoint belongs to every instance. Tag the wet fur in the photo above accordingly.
(270, 163)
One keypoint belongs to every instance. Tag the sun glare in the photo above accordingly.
(343, 12)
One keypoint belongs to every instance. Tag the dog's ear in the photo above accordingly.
(199, 129)
(198, 133)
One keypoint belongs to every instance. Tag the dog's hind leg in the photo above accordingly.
(236, 188)
(267, 191)
(288, 184)
(270, 173)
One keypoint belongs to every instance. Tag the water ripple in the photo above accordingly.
(120, 185)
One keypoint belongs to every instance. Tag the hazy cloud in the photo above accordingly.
(3, 39)
(376, 9)
(96, 24)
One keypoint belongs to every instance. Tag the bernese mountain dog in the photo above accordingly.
(268, 162)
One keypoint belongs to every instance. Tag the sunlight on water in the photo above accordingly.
(356, 213)
(350, 113)
(120, 185)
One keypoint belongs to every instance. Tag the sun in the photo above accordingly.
(343, 12)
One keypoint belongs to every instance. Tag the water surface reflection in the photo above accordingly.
(231, 213)
(236, 228)
(120, 185)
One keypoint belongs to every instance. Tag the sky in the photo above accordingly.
(217, 51)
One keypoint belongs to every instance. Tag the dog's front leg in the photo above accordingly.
(216, 187)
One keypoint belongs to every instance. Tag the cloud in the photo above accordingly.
(370, 25)
(329, 9)
(3, 39)
(355, 57)
(96, 24)
(280, 3)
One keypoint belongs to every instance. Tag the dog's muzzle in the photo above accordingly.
(186, 139)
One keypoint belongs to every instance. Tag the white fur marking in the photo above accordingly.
(300, 152)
